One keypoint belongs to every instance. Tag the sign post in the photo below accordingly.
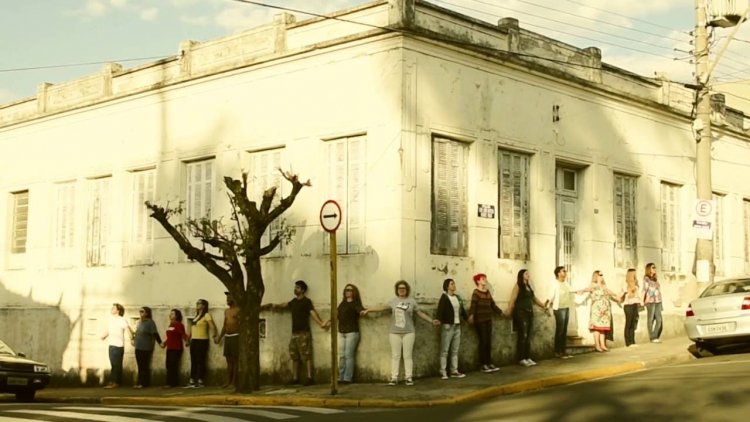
(704, 220)
(330, 220)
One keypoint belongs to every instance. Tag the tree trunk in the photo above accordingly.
(249, 358)
(249, 364)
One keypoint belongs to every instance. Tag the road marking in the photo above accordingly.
(193, 412)
(731, 362)
(79, 416)
(319, 410)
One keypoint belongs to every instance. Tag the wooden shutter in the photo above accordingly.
(626, 241)
(449, 203)
(354, 211)
(97, 229)
(670, 220)
(264, 173)
(514, 205)
(199, 196)
(20, 221)
(141, 240)
(337, 188)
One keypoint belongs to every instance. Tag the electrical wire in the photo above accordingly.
(55, 66)
(629, 17)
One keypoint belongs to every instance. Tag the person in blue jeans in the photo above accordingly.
(450, 312)
(349, 311)
(117, 326)
(653, 301)
(561, 301)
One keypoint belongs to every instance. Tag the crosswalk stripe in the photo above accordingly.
(192, 413)
(79, 416)
(320, 410)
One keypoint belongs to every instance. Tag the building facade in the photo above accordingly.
(454, 147)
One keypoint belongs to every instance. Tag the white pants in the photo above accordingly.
(401, 344)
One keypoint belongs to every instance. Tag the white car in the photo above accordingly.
(720, 316)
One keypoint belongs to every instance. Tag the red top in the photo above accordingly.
(175, 335)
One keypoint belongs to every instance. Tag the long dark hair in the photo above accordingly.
(177, 314)
(648, 267)
(519, 279)
(356, 298)
(147, 312)
(198, 316)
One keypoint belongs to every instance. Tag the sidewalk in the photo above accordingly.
(430, 391)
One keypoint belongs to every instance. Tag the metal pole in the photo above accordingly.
(334, 318)
(704, 248)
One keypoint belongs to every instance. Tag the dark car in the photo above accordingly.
(21, 376)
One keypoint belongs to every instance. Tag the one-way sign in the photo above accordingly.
(330, 216)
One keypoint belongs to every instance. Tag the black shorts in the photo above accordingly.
(232, 345)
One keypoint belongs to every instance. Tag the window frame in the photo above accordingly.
(351, 195)
(443, 241)
(15, 227)
(625, 253)
(508, 218)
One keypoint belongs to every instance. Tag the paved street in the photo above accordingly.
(45, 412)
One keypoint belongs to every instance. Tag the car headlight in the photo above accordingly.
(41, 368)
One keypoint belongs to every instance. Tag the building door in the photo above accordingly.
(566, 219)
(566, 184)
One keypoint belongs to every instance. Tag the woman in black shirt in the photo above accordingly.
(522, 301)
(349, 311)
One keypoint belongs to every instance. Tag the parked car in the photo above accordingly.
(720, 316)
(21, 376)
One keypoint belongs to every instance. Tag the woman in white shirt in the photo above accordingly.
(116, 328)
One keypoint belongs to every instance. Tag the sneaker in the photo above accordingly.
(191, 384)
(656, 340)
(524, 362)
(456, 374)
(409, 382)
(566, 356)
(443, 375)
(393, 381)
(200, 384)
(531, 362)
(493, 368)
(633, 345)
(486, 369)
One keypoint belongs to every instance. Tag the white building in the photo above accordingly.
(454, 146)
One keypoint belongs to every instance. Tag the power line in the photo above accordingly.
(551, 20)
(55, 66)
(629, 17)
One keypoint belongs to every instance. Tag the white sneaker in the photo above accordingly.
(443, 375)
(524, 362)
(531, 362)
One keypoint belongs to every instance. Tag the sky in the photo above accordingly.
(59, 40)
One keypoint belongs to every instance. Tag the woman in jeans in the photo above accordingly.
(482, 308)
(173, 343)
(522, 301)
(403, 308)
(146, 335)
(652, 299)
(631, 300)
(561, 301)
(116, 329)
(349, 311)
(200, 331)
(450, 311)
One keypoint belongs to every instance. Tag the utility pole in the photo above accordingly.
(704, 248)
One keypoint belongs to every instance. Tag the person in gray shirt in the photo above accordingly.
(146, 335)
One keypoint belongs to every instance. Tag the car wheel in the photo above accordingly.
(26, 396)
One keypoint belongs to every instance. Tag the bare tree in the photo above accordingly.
(232, 254)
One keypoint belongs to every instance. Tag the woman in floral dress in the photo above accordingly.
(600, 320)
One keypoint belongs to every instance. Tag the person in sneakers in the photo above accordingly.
(561, 301)
(482, 308)
(116, 329)
(202, 324)
(300, 345)
(631, 301)
(146, 336)
(450, 311)
(401, 336)
(522, 301)
(652, 300)
(173, 343)
(349, 311)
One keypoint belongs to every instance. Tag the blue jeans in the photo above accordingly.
(347, 349)
(450, 339)
(561, 330)
(115, 360)
(653, 311)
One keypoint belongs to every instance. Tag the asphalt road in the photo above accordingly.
(712, 389)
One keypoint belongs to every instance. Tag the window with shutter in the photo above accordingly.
(347, 181)
(719, 234)
(264, 173)
(64, 224)
(141, 232)
(200, 183)
(97, 228)
(448, 234)
(670, 227)
(513, 197)
(624, 202)
(20, 225)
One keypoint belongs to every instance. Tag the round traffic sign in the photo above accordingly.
(703, 208)
(330, 216)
